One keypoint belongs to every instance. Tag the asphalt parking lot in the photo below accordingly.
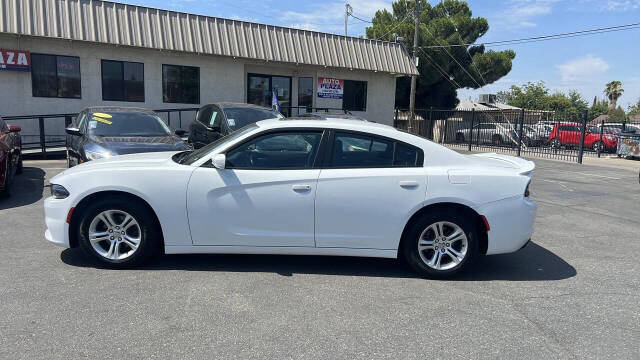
(572, 293)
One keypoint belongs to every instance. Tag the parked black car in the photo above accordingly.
(103, 132)
(214, 121)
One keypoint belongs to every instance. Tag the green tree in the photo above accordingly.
(614, 90)
(533, 96)
(617, 115)
(634, 109)
(536, 96)
(599, 107)
(443, 70)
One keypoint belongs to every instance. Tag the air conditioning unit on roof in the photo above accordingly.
(487, 99)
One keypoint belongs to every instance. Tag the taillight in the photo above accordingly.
(526, 190)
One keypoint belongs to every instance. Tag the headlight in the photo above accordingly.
(58, 191)
(91, 155)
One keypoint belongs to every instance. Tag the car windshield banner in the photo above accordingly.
(17, 60)
(330, 88)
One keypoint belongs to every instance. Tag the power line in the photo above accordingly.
(440, 70)
(363, 20)
(395, 27)
(545, 37)
(453, 58)
(455, 27)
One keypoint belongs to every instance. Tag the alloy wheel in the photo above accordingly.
(443, 245)
(115, 234)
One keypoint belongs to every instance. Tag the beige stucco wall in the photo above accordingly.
(221, 79)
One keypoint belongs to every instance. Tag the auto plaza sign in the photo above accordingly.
(330, 88)
(17, 60)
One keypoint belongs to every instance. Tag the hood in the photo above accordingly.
(521, 166)
(146, 160)
(140, 144)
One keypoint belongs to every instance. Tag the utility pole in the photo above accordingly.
(412, 94)
(348, 10)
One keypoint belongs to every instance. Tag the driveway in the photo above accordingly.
(572, 293)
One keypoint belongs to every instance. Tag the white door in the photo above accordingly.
(264, 196)
(364, 199)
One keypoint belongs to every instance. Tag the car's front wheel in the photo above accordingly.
(440, 244)
(119, 232)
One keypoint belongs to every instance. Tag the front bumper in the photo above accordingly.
(55, 217)
(511, 222)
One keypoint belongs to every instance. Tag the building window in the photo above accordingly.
(122, 81)
(180, 84)
(305, 93)
(55, 76)
(355, 95)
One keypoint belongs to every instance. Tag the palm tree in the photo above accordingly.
(613, 90)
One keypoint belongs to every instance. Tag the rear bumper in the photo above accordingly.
(55, 217)
(511, 222)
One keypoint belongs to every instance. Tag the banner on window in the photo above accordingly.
(330, 88)
(17, 60)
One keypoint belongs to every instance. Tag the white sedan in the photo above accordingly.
(298, 186)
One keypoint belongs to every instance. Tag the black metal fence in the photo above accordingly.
(517, 132)
(41, 133)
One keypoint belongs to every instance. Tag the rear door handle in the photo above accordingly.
(301, 188)
(409, 184)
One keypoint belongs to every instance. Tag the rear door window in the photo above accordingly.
(351, 150)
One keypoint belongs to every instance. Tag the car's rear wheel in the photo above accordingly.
(440, 244)
(555, 143)
(119, 232)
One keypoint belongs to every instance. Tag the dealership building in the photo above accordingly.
(59, 56)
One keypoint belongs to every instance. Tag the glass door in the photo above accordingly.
(260, 89)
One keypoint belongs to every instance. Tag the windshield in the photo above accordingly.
(242, 116)
(200, 153)
(126, 124)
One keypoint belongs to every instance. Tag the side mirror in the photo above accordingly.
(180, 132)
(219, 161)
(73, 131)
(14, 128)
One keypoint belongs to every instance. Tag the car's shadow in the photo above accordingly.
(26, 189)
(533, 263)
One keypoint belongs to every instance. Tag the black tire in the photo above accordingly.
(19, 169)
(555, 143)
(412, 237)
(459, 137)
(151, 235)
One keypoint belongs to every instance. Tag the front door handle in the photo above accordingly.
(301, 188)
(409, 184)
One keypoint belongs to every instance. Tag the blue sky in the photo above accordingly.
(582, 63)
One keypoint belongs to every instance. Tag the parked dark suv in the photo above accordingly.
(214, 121)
